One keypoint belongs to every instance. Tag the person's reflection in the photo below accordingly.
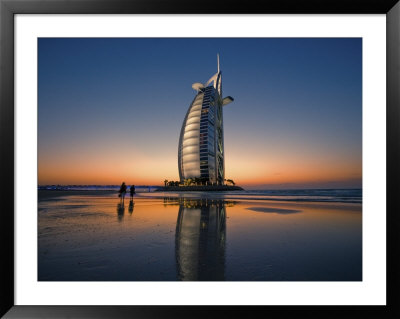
(120, 211)
(200, 240)
(131, 205)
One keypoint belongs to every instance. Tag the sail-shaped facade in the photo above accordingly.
(201, 141)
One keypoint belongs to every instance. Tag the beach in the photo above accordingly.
(92, 236)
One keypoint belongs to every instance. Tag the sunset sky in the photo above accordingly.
(111, 110)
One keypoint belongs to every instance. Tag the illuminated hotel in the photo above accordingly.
(201, 142)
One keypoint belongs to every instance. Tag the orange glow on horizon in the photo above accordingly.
(153, 171)
(89, 163)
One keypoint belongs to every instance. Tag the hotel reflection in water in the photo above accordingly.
(200, 239)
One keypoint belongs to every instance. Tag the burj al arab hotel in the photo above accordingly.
(201, 141)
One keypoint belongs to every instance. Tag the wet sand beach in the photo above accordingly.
(90, 236)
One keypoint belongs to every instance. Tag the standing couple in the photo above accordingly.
(122, 191)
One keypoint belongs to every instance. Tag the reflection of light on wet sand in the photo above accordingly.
(200, 240)
(274, 210)
(86, 238)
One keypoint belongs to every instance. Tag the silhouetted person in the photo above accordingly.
(132, 191)
(122, 191)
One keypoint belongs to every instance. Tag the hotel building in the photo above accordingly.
(201, 141)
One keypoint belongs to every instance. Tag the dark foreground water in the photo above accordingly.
(241, 236)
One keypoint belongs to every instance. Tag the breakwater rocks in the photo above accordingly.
(199, 188)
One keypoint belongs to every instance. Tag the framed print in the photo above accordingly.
(162, 158)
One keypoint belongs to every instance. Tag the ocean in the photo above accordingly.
(353, 195)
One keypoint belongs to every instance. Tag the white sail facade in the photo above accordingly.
(201, 142)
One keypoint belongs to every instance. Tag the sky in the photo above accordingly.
(111, 109)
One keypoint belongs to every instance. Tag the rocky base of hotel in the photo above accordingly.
(198, 188)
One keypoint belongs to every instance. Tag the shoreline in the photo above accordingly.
(50, 193)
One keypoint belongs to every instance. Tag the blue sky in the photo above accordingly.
(116, 106)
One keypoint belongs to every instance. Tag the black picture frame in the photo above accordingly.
(8, 8)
